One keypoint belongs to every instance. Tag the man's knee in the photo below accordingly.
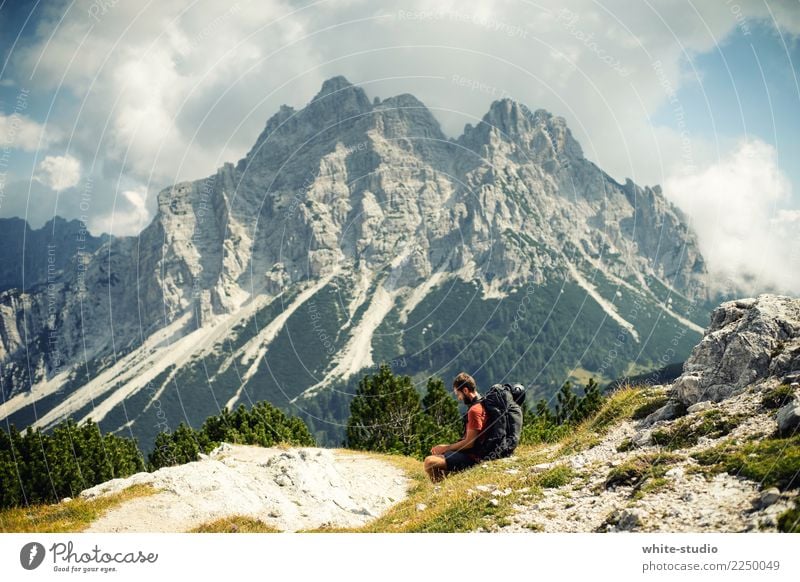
(434, 462)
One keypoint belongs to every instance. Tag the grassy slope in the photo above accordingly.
(448, 509)
(72, 516)
(459, 504)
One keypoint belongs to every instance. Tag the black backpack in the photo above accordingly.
(500, 436)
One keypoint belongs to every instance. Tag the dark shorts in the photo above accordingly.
(458, 461)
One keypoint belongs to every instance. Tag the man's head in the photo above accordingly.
(465, 388)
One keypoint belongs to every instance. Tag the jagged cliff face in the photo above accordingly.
(31, 257)
(344, 182)
(372, 204)
(33, 268)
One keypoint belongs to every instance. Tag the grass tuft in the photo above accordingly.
(650, 485)
(235, 524)
(789, 520)
(777, 397)
(635, 471)
(773, 462)
(686, 432)
(619, 405)
(649, 407)
(556, 477)
(626, 445)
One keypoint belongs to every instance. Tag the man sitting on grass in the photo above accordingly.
(461, 455)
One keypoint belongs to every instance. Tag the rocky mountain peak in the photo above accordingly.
(510, 117)
(338, 100)
(335, 85)
(539, 136)
(338, 112)
(406, 116)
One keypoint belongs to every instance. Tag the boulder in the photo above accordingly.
(699, 407)
(675, 473)
(630, 519)
(670, 411)
(747, 340)
(643, 438)
(789, 417)
(767, 498)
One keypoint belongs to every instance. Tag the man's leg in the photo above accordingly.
(435, 467)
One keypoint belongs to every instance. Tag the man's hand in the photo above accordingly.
(439, 450)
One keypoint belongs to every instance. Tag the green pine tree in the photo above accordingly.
(385, 414)
(543, 412)
(441, 421)
(164, 453)
(440, 406)
(566, 403)
(591, 401)
(40, 467)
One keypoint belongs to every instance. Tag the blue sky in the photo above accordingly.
(124, 99)
(747, 86)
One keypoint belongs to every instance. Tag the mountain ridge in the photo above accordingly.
(370, 214)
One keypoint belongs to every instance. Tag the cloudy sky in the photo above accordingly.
(105, 102)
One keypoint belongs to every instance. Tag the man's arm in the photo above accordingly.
(466, 443)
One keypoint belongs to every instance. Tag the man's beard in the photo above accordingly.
(470, 400)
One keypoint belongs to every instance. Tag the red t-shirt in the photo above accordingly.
(476, 419)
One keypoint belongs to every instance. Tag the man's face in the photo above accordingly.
(459, 394)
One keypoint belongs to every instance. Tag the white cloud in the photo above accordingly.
(173, 91)
(160, 91)
(18, 131)
(749, 243)
(129, 216)
(58, 172)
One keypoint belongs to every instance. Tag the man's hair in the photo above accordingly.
(464, 380)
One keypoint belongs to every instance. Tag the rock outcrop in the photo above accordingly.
(748, 340)
(719, 418)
